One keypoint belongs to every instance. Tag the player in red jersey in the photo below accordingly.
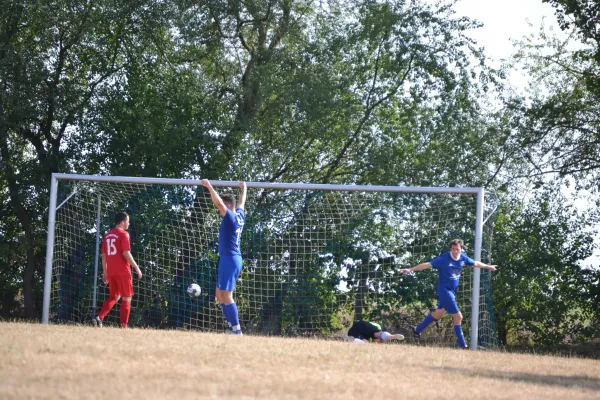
(116, 264)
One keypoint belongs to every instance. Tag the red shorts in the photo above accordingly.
(120, 285)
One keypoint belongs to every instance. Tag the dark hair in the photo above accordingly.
(229, 199)
(458, 242)
(120, 217)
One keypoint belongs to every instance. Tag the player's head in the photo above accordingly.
(456, 247)
(122, 220)
(229, 201)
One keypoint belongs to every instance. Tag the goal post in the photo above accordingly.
(316, 256)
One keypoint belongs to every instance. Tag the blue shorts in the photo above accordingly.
(448, 301)
(229, 271)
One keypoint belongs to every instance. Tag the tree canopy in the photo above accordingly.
(342, 91)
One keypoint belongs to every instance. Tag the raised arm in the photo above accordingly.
(242, 202)
(419, 267)
(216, 199)
(479, 264)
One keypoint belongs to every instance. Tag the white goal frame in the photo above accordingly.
(479, 220)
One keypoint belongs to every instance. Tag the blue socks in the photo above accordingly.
(232, 316)
(421, 327)
(461, 337)
(225, 314)
(457, 330)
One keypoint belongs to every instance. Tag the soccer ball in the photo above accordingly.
(194, 290)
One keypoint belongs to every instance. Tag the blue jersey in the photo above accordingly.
(231, 232)
(450, 269)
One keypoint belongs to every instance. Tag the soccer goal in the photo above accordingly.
(316, 257)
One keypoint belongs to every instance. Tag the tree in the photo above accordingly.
(330, 92)
(55, 60)
(267, 91)
(542, 293)
(584, 15)
(557, 126)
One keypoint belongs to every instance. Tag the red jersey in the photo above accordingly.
(115, 242)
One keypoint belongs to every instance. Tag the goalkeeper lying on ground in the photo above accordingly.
(364, 332)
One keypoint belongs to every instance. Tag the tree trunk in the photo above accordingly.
(28, 282)
(362, 290)
(25, 219)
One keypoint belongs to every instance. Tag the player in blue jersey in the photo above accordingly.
(450, 266)
(230, 256)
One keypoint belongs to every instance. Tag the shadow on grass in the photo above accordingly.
(571, 382)
(581, 350)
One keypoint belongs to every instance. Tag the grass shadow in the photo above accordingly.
(571, 382)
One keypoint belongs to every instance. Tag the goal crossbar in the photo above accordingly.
(269, 185)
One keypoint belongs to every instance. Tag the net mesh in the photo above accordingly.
(314, 261)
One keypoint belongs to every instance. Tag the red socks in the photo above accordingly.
(125, 310)
(106, 307)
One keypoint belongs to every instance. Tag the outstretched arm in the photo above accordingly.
(216, 199)
(419, 267)
(489, 267)
(242, 202)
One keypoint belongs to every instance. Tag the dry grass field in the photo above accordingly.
(74, 362)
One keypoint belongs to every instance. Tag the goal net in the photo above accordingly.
(316, 257)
